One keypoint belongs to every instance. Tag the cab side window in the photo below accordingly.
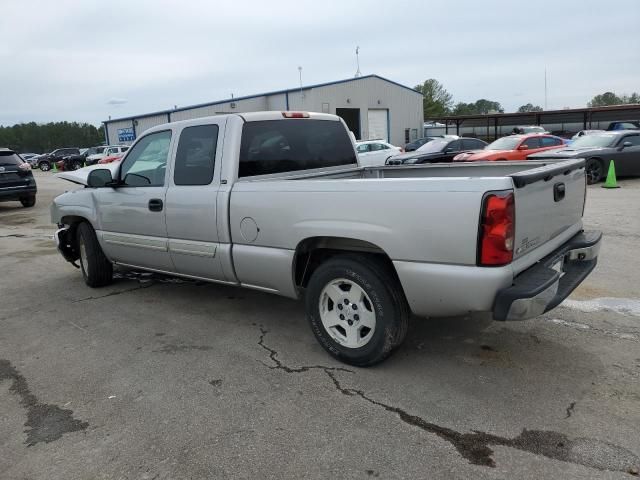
(454, 146)
(196, 155)
(533, 142)
(550, 142)
(364, 148)
(634, 139)
(146, 163)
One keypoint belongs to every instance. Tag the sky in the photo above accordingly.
(90, 60)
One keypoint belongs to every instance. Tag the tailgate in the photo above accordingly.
(549, 201)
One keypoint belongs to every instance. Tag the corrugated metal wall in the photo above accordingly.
(145, 123)
(404, 106)
(246, 105)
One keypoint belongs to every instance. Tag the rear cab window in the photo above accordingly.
(277, 146)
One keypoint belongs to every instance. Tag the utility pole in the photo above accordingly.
(545, 88)
(358, 74)
(300, 72)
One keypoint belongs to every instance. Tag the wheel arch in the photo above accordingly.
(73, 221)
(311, 252)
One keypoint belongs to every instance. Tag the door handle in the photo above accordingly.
(155, 205)
(558, 191)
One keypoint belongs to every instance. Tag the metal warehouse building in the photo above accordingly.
(371, 106)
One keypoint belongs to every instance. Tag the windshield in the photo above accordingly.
(504, 143)
(433, 146)
(594, 141)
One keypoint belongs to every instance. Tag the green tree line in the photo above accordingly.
(438, 102)
(46, 137)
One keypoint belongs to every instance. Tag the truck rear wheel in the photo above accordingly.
(356, 309)
(96, 268)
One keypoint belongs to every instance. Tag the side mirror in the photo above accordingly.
(99, 178)
(523, 147)
(627, 144)
(449, 150)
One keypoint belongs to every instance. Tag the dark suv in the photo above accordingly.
(45, 162)
(16, 180)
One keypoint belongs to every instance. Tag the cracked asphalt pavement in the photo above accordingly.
(156, 378)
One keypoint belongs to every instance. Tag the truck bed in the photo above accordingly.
(419, 216)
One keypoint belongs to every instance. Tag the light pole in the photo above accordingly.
(358, 74)
(300, 72)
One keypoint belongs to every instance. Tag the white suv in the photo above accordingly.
(375, 152)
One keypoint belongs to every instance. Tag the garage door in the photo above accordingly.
(378, 127)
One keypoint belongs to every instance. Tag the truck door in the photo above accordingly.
(132, 216)
(191, 201)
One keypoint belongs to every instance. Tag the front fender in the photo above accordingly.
(77, 203)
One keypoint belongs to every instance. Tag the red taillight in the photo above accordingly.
(497, 227)
(295, 114)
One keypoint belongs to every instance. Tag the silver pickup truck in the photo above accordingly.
(276, 201)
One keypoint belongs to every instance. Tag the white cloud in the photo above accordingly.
(116, 101)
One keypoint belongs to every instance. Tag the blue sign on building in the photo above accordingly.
(126, 134)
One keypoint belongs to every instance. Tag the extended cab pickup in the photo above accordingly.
(276, 201)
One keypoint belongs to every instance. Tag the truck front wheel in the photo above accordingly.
(357, 309)
(96, 268)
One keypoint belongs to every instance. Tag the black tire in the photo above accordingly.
(594, 170)
(44, 166)
(388, 302)
(76, 165)
(28, 201)
(96, 268)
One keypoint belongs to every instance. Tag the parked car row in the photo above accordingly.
(598, 147)
(73, 158)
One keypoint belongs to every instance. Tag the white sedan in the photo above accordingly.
(375, 152)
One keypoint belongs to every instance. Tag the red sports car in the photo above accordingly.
(513, 147)
(111, 158)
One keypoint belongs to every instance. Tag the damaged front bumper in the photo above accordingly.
(546, 284)
(64, 243)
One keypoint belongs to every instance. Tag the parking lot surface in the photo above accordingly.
(157, 378)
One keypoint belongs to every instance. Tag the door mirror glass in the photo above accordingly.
(135, 180)
(99, 178)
